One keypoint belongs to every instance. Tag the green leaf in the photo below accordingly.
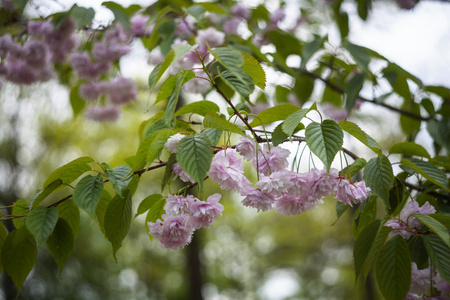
(61, 242)
(410, 125)
(83, 16)
(310, 48)
(443, 219)
(118, 220)
(232, 60)
(181, 50)
(352, 89)
(429, 106)
(168, 171)
(20, 208)
(340, 209)
(324, 140)
(3, 235)
(409, 148)
(418, 251)
(76, 101)
(155, 212)
(434, 226)
(397, 78)
(359, 54)
(100, 211)
(41, 221)
(393, 269)
(119, 177)
(87, 193)
(148, 203)
(197, 11)
(303, 88)
(354, 168)
(365, 243)
(279, 136)
(194, 154)
(439, 254)
(440, 132)
(342, 21)
(159, 70)
(183, 76)
(427, 170)
(379, 176)
(273, 114)
(69, 172)
(19, 255)
(70, 212)
(294, 120)
(213, 135)
(158, 142)
(119, 12)
(253, 68)
(366, 215)
(243, 87)
(44, 192)
(211, 7)
(199, 107)
(360, 135)
(212, 120)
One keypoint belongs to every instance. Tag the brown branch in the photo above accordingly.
(421, 189)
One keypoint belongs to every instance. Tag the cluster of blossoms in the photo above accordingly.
(33, 61)
(420, 284)
(407, 224)
(288, 192)
(183, 216)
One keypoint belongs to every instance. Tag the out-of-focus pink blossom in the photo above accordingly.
(210, 35)
(277, 16)
(442, 285)
(92, 90)
(62, 40)
(203, 213)
(240, 11)
(186, 28)
(271, 160)
(155, 57)
(85, 68)
(256, 199)
(177, 204)
(198, 85)
(335, 113)
(231, 26)
(246, 148)
(113, 46)
(122, 90)
(6, 45)
(103, 113)
(36, 54)
(172, 142)
(40, 28)
(182, 174)
(172, 233)
(138, 25)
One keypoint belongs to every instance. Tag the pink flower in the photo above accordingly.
(173, 232)
(335, 113)
(177, 204)
(62, 40)
(122, 90)
(277, 16)
(246, 148)
(203, 213)
(155, 57)
(87, 69)
(172, 142)
(138, 25)
(6, 45)
(420, 280)
(347, 192)
(198, 85)
(103, 113)
(256, 199)
(271, 160)
(231, 26)
(113, 45)
(399, 227)
(239, 10)
(182, 174)
(40, 28)
(92, 90)
(186, 28)
(36, 54)
(228, 171)
(290, 205)
(211, 36)
(441, 284)
(275, 184)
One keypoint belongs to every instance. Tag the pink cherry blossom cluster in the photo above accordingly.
(407, 224)
(288, 192)
(183, 216)
(33, 61)
(420, 283)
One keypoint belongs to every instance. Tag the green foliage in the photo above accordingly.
(360, 135)
(182, 77)
(379, 176)
(439, 254)
(69, 172)
(435, 226)
(41, 221)
(61, 242)
(87, 193)
(295, 118)
(427, 170)
(69, 212)
(273, 114)
(253, 68)
(147, 203)
(199, 107)
(119, 177)
(215, 121)
(325, 140)
(20, 209)
(409, 148)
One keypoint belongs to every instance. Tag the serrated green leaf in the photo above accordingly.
(294, 119)
(215, 121)
(232, 60)
(354, 168)
(148, 203)
(418, 251)
(182, 77)
(360, 135)
(378, 175)
(273, 114)
(118, 220)
(70, 212)
(253, 68)
(83, 16)
(3, 235)
(19, 255)
(352, 89)
(119, 177)
(393, 269)
(435, 226)
(439, 254)
(409, 148)
(364, 245)
(359, 54)
(197, 11)
(427, 170)
(366, 215)
(100, 211)
(69, 172)
(41, 221)
(199, 107)
(159, 70)
(61, 242)
(20, 208)
(87, 193)
(443, 219)
(243, 87)
(181, 50)
(213, 135)
(194, 154)
(44, 192)
(324, 140)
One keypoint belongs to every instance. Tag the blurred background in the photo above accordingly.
(244, 255)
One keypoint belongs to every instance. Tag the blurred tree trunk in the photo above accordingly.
(195, 267)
